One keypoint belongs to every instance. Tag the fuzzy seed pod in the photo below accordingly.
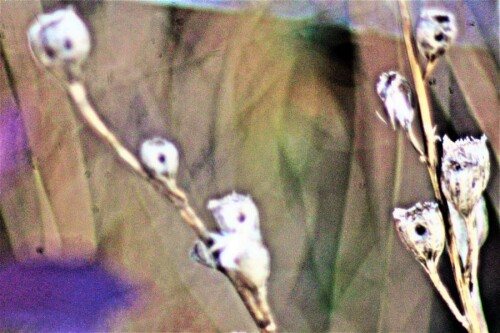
(395, 92)
(436, 31)
(160, 156)
(465, 171)
(421, 229)
(236, 213)
(480, 214)
(59, 38)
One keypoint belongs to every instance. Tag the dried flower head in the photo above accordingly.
(160, 156)
(480, 214)
(436, 31)
(421, 229)
(236, 213)
(237, 253)
(395, 91)
(465, 171)
(59, 38)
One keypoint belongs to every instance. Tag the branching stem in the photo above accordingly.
(254, 300)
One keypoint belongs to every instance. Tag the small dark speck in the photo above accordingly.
(88, 174)
(451, 91)
(471, 24)
(161, 158)
(39, 250)
(95, 209)
(432, 81)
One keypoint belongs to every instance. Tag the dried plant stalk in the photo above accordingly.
(255, 300)
(472, 305)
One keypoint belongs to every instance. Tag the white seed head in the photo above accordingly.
(395, 91)
(480, 214)
(59, 38)
(465, 171)
(436, 31)
(236, 213)
(237, 253)
(421, 229)
(160, 156)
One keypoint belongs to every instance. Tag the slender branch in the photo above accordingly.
(254, 300)
(431, 270)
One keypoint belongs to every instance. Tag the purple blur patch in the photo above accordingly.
(52, 298)
(13, 143)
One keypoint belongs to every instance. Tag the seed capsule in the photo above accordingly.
(436, 31)
(465, 171)
(236, 213)
(160, 156)
(421, 229)
(59, 38)
(395, 92)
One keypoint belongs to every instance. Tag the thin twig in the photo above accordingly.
(254, 300)
(431, 270)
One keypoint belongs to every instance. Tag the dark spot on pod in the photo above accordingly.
(432, 81)
(425, 45)
(429, 255)
(441, 51)
(241, 218)
(216, 255)
(431, 57)
(50, 52)
(210, 242)
(390, 78)
(161, 158)
(39, 250)
(67, 44)
(420, 230)
(442, 18)
(439, 37)
(472, 24)
(450, 90)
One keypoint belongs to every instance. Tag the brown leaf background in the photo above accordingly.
(283, 110)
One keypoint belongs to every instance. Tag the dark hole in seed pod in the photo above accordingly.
(420, 230)
(431, 57)
(439, 37)
(67, 44)
(241, 218)
(216, 255)
(390, 78)
(441, 51)
(429, 255)
(455, 166)
(210, 242)
(442, 18)
(39, 250)
(50, 52)
(161, 158)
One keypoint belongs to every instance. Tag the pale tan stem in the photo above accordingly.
(254, 300)
(443, 291)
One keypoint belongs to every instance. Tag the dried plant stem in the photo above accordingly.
(443, 291)
(472, 260)
(254, 300)
(469, 305)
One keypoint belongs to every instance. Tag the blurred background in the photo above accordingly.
(274, 99)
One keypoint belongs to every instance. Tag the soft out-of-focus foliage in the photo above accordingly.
(283, 110)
